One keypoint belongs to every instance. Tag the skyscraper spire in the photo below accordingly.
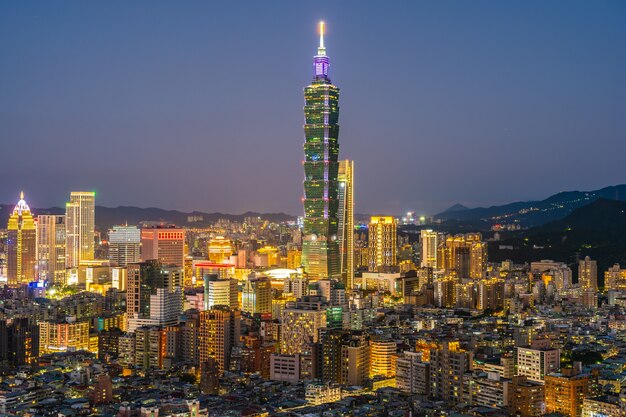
(321, 50)
(321, 61)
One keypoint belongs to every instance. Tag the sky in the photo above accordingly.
(197, 105)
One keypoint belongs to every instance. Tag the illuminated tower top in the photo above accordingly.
(321, 60)
(21, 218)
(21, 206)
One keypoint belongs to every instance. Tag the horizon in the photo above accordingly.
(357, 213)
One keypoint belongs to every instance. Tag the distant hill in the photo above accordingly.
(597, 230)
(532, 213)
(456, 207)
(108, 216)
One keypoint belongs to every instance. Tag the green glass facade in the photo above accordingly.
(320, 249)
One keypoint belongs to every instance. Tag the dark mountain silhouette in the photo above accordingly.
(456, 207)
(597, 230)
(533, 213)
(108, 216)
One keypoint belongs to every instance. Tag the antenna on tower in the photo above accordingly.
(321, 50)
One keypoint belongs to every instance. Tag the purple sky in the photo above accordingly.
(197, 105)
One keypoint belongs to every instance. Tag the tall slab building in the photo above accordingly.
(80, 227)
(320, 246)
(51, 248)
(21, 245)
(346, 222)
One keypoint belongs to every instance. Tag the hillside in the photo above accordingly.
(597, 230)
(533, 213)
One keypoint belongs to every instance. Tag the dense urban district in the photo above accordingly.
(324, 315)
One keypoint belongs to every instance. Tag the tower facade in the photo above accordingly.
(164, 242)
(320, 246)
(382, 242)
(346, 222)
(51, 248)
(124, 245)
(154, 294)
(21, 245)
(80, 227)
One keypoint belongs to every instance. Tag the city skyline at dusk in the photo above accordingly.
(155, 154)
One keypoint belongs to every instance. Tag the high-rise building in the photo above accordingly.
(429, 241)
(448, 363)
(219, 333)
(320, 247)
(490, 294)
(61, 336)
(124, 245)
(154, 296)
(382, 243)
(526, 398)
(466, 255)
(300, 324)
(355, 354)
(615, 278)
(21, 245)
(163, 242)
(566, 391)
(257, 295)
(294, 258)
(413, 374)
(219, 250)
(346, 222)
(478, 260)
(80, 227)
(588, 274)
(149, 347)
(19, 341)
(381, 353)
(537, 363)
(51, 248)
(220, 292)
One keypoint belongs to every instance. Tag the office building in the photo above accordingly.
(381, 357)
(80, 228)
(346, 222)
(320, 246)
(51, 248)
(429, 242)
(382, 243)
(218, 333)
(220, 292)
(124, 245)
(256, 296)
(21, 245)
(154, 295)
(163, 242)
(220, 249)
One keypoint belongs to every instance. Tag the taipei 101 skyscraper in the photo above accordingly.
(320, 247)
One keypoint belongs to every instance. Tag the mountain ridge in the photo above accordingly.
(535, 212)
(107, 217)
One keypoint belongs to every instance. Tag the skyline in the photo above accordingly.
(559, 84)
